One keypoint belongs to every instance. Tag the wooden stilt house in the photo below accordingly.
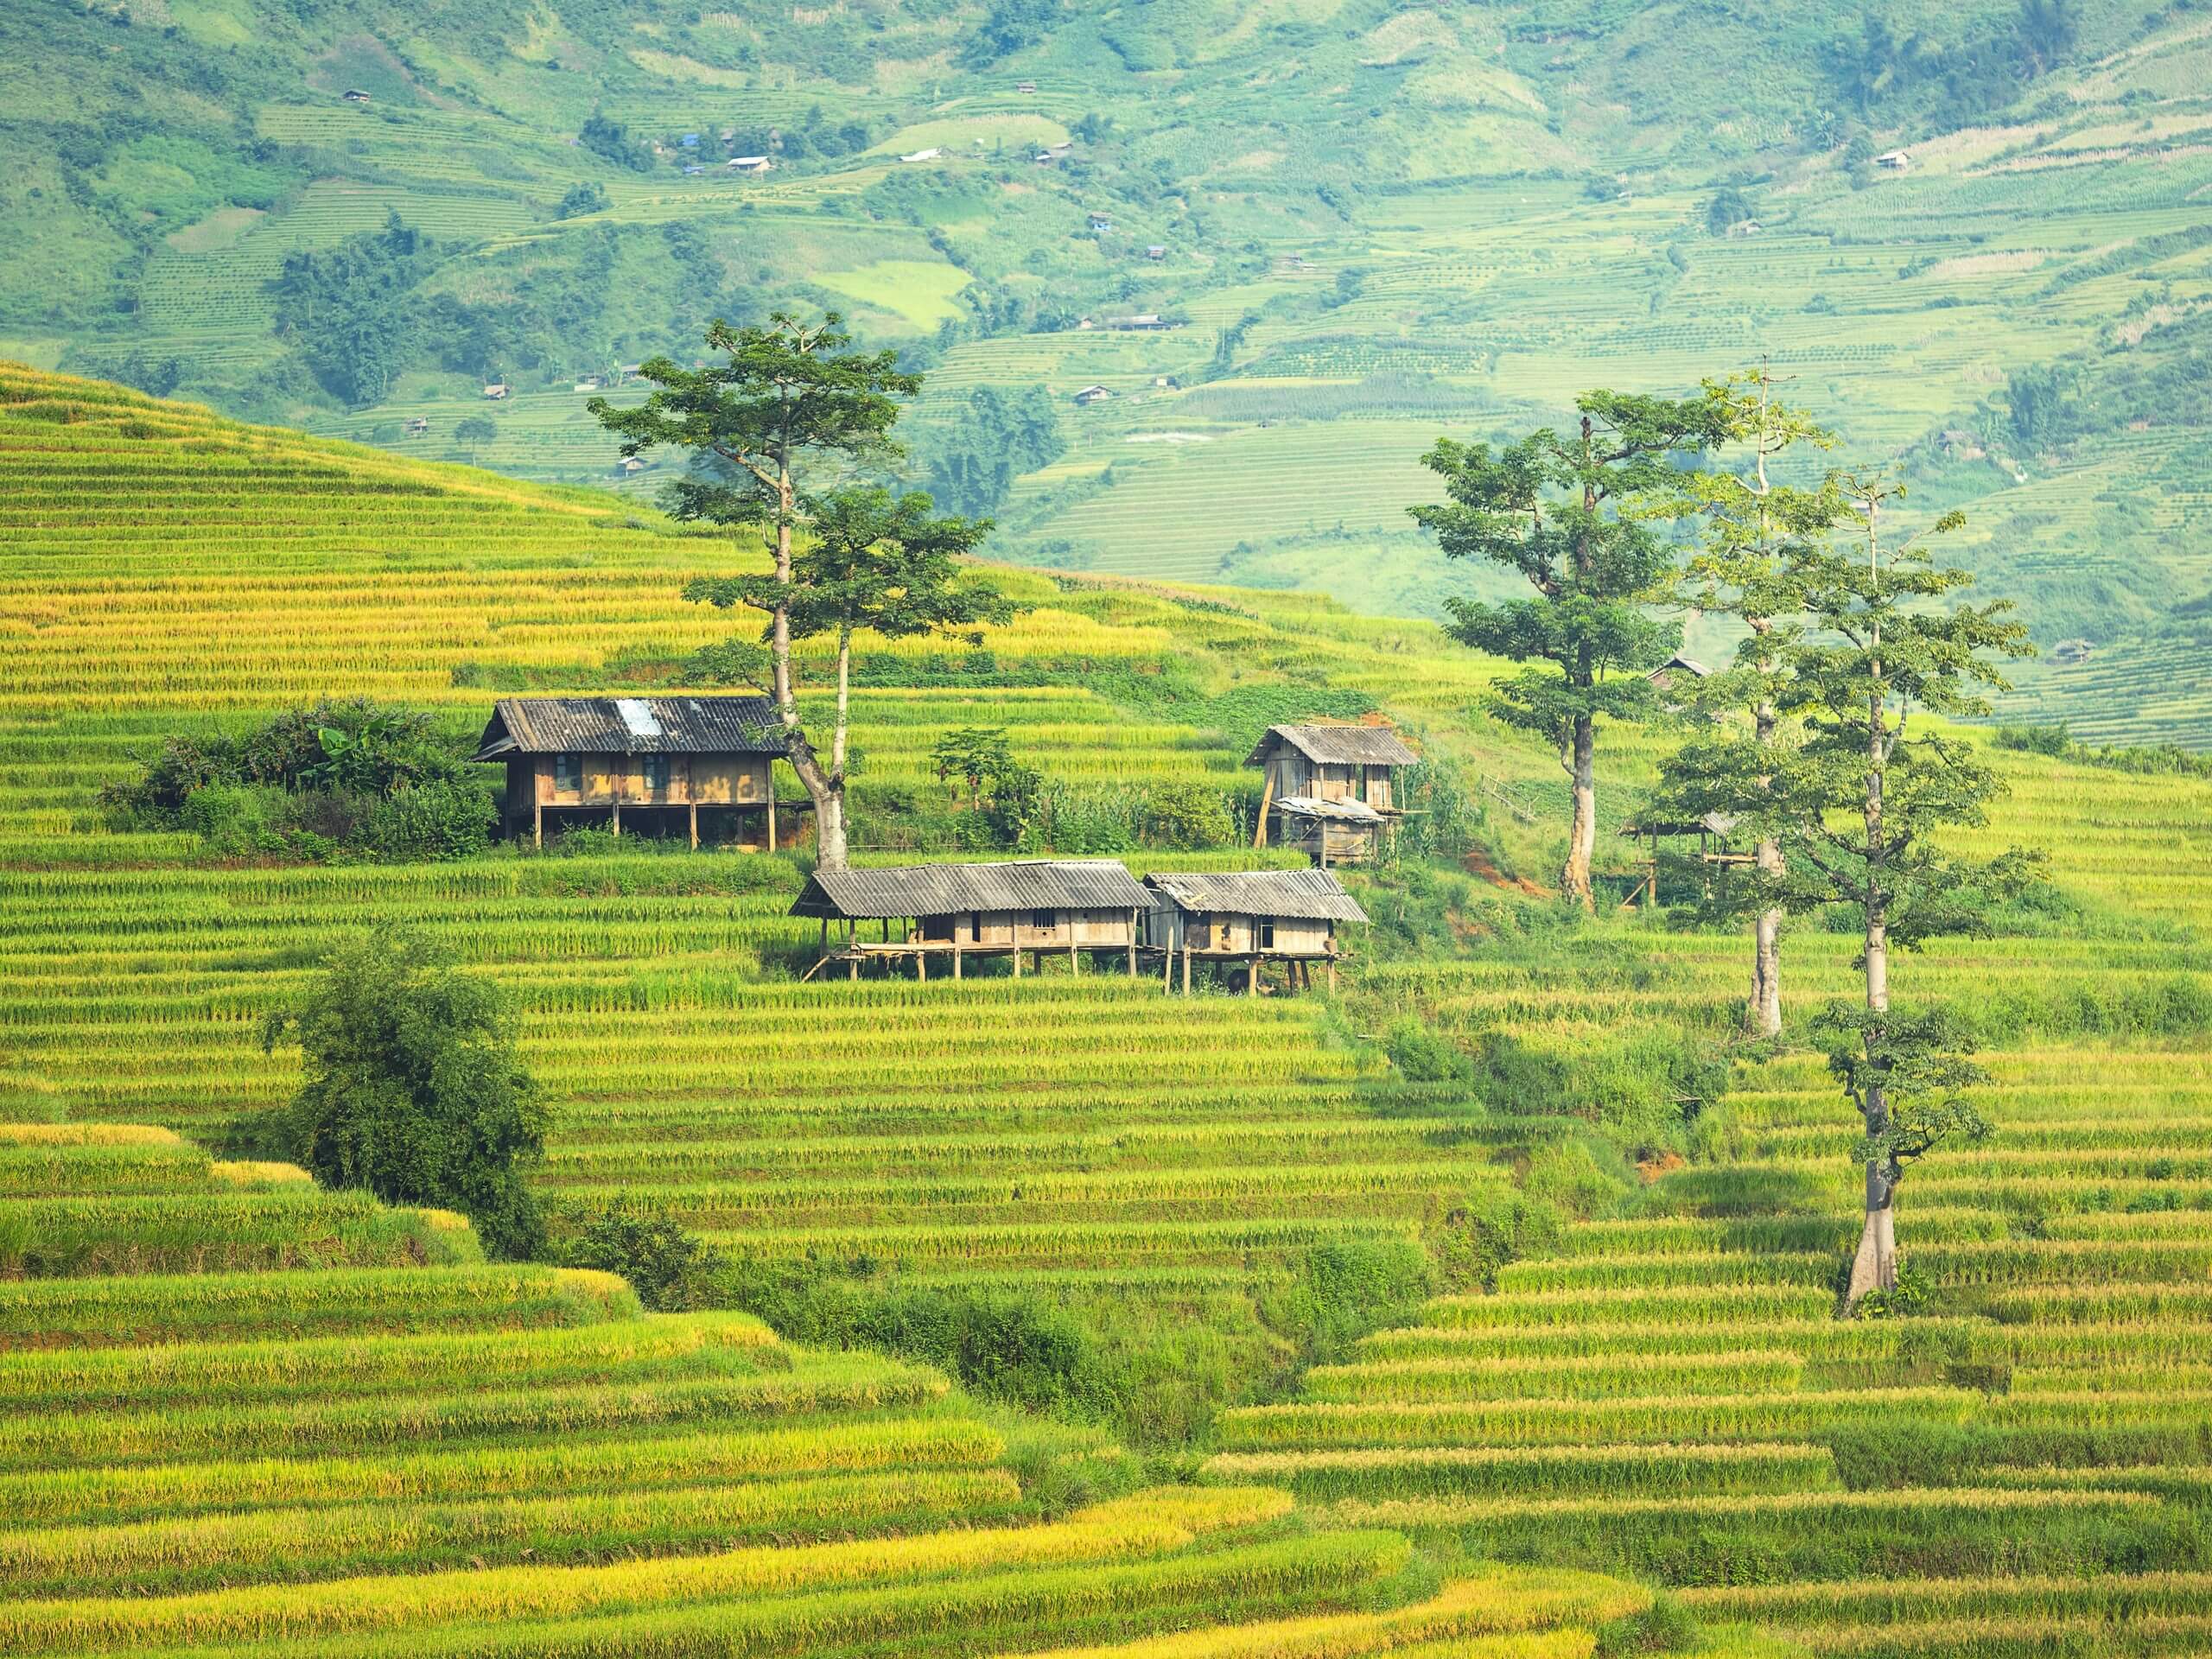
(952, 913)
(1715, 848)
(649, 761)
(1247, 918)
(1331, 789)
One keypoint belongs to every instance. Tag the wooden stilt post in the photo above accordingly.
(955, 950)
(695, 826)
(771, 806)
(1133, 944)
(1075, 962)
(1267, 800)
(1017, 956)
(1186, 966)
(1252, 978)
(1332, 973)
(922, 965)
(618, 818)
(537, 823)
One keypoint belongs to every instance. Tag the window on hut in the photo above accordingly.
(568, 773)
(656, 769)
(1044, 918)
(1267, 936)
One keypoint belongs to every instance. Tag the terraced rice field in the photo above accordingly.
(342, 1449)
(245, 1416)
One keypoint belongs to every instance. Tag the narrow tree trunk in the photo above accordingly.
(825, 788)
(1582, 827)
(1765, 1011)
(1875, 1266)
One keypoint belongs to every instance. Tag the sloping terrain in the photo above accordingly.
(1358, 226)
(1658, 1392)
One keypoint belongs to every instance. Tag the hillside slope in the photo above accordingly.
(1655, 1388)
(1371, 223)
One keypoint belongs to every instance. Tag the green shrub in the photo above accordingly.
(427, 821)
(673, 1271)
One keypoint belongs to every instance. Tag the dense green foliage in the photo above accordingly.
(414, 1089)
(347, 777)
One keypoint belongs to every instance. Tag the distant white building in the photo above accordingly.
(751, 163)
(496, 391)
(929, 155)
(1896, 160)
(1091, 395)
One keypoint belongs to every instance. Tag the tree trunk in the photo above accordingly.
(1582, 827)
(1875, 1266)
(1765, 1012)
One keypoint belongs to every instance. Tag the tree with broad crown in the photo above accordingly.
(1752, 531)
(1853, 793)
(873, 561)
(414, 1089)
(791, 398)
(1571, 515)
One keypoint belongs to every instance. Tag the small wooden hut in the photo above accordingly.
(656, 760)
(1715, 847)
(1247, 917)
(955, 912)
(1331, 789)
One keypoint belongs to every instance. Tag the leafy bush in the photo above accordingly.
(427, 821)
(1187, 818)
(348, 776)
(673, 1271)
(414, 1088)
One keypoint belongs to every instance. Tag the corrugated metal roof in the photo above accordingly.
(1337, 746)
(1309, 894)
(954, 889)
(1720, 823)
(631, 726)
(1313, 806)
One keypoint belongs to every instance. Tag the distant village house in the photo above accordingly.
(1247, 918)
(496, 391)
(1091, 395)
(1331, 790)
(953, 912)
(355, 95)
(659, 762)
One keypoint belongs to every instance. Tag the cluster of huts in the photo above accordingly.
(661, 763)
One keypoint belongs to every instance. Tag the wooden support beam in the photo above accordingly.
(537, 823)
(618, 817)
(1017, 958)
(955, 950)
(1252, 978)
(771, 806)
(1133, 944)
(695, 826)
(1267, 800)
(1186, 967)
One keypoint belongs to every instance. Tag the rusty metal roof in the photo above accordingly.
(631, 726)
(1314, 806)
(1336, 746)
(1308, 894)
(954, 889)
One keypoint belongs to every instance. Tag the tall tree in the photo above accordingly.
(875, 561)
(793, 398)
(1567, 514)
(1754, 534)
(1855, 797)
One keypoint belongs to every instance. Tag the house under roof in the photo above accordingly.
(631, 726)
(1311, 895)
(1336, 746)
(920, 890)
